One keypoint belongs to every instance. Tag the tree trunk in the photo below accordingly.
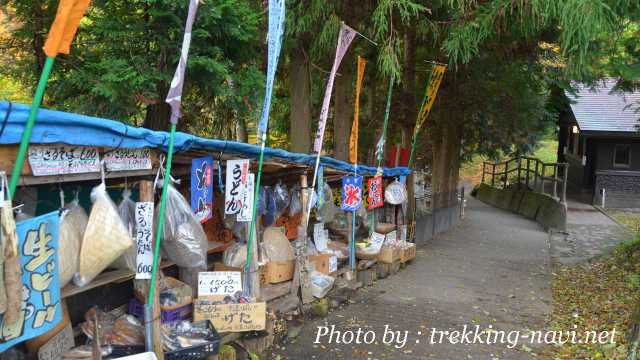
(241, 130)
(408, 103)
(343, 115)
(446, 163)
(300, 95)
(157, 116)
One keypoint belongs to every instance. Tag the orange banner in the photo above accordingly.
(430, 96)
(353, 141)
(64, 27)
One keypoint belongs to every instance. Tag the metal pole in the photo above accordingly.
(564, 182)
(484, 169)
(555, 180)
(528, 170)
(493, 174)
(519, 166)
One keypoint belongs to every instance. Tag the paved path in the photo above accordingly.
(491, 271)
(590, 233)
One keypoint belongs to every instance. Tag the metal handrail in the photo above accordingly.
(527, 166)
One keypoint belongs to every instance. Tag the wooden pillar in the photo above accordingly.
(146, 195)
(302, 273)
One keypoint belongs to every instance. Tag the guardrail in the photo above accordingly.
(531, 172)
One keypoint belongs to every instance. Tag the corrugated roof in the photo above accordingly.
(602, 109)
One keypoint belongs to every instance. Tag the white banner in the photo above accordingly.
(144, 239)
(247, 204)
(237, 179)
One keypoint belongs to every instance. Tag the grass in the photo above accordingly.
(596, 296)
(630, 219)
(471, 171)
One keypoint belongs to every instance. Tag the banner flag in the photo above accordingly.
(430, 96)
(345, 38)
(276, 30)
(174, 97)
(65, 26)
(353, 140)
(351, 193)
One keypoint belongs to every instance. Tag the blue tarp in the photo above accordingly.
(74, 129)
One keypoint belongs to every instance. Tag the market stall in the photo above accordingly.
(92, 185)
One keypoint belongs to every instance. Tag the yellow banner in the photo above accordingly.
(353, 141)
(430, 97)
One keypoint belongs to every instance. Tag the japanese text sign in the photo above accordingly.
(231, 317)
(211, 283)
(63, 159)
(40, 309)
(236, 185)
(144, 239)
(351, 193)
(202, 188)
(375, 192)
(247, 203)
(128, 159)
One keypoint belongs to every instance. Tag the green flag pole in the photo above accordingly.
(26, 135)
(256, 195)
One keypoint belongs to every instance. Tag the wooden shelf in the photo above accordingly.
(120, 276)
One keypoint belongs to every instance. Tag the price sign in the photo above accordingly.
(128, 159)
(63, 159)
(212, 283)
(333, 264)
(319, 237)
(144, 239)
(247, 204)
(376, 241)
(231, 317)
(391, 238)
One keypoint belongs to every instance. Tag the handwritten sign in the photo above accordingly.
(40, 308)
(333, 264)
(63, 159)
(236, 185)
(144, 239)
(351, 193)
(376, 241)
(58, 345)
(391, 238)
(231, 317)
(212, 283)
(319, 238)
(375, 192)
(202, 188)
(128, 159)
(247, 204)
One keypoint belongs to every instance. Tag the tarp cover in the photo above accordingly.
(74, 129)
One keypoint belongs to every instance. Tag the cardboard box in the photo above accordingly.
(222, 267)
(408, 253)
(389, 254)
(279, 271)
(325, 263)
(231, 317)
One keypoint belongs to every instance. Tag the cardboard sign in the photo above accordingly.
(375, 192)
(63, 159)
(58, 345)
(202, 188)
(128, 159)
(219, 283)
(231, 317)
(247, 204)
(40, 311)
(319, 238)
(376, 241)
(236, 185)
(144, 239)
(351, 193)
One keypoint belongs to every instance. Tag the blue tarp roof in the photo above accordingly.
(74, 129)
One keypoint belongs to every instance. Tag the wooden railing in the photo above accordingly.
(530, 172)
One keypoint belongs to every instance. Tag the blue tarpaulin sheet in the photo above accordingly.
(73, 129)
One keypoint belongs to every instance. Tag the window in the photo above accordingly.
(621, 156)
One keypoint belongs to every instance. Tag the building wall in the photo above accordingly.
(605, 154)
(621, 184)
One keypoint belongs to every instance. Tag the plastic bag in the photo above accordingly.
(320, 284)
(127, 211)
(281, 198)
(395, 193)
(276, 245)
(122, 330)
(270, 214)
(73, 223)
(105, 238)
(261, 205)
(295, 206)
(183, 239)
(235, 255)
(328, 210)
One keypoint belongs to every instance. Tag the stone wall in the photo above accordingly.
(622, 189)
(545, 210)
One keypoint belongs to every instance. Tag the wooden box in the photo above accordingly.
(408, 253)
(389, 254)
(279, 271)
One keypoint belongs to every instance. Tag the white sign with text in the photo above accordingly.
(128, 159)
(211, 283)
(63, 159)
(144, 239)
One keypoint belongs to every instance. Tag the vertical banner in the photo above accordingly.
(383, 136)
(202, 188)
(247, 202)
(353, 140)
(430, 96)
(276, 30)
(174, 97)
(320, 187)
(144, 239)
(40, 311)
(344, 40)
(375, 192)
(236, 186)
(351, 193)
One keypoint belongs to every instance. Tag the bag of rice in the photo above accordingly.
(127, 211)
(73, 222)
(105, 238)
